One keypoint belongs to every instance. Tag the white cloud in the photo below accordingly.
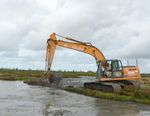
(119, 28)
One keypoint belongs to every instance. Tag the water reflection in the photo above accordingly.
(116, 108)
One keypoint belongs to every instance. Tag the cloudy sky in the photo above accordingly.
(119, 28)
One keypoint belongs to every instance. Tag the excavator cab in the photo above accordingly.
(113, 69)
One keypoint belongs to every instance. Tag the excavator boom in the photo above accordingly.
(75, 45)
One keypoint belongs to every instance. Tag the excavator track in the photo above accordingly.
(112, 86)
(102, 86)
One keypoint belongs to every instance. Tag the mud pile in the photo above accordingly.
(56, 81)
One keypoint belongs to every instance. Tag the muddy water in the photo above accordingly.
(76, 82)
(19, 99)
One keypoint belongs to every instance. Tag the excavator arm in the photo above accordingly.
(85, 47)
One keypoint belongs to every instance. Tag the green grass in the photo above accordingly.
(73, 74)
(112, 96)
(15, 74)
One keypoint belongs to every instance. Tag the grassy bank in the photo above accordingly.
(138, 97)
(76, 74)
(15, 74)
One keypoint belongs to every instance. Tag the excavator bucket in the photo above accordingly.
(50, 77)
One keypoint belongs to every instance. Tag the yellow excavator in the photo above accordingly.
(111, 74)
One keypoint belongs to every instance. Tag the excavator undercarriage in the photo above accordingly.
(115, 86)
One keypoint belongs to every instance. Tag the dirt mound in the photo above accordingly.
(56, 81)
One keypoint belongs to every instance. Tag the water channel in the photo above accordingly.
(19, 99)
